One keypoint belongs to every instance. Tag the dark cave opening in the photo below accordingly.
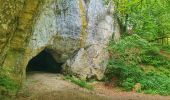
(44, 62)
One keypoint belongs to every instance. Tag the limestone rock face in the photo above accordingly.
(75, 32)
(59, 28)
(91, 60)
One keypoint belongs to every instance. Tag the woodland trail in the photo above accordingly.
(50, 86)
(165, 53)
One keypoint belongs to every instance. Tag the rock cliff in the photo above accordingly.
(75, 32)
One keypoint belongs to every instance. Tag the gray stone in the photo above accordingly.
(74, 32)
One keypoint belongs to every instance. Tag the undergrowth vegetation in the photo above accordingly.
(166, 48)
(133, 61)
(81, 83)
(7, 87)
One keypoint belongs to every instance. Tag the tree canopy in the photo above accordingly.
(147, 18)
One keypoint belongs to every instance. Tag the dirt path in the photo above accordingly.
(165, 53)
(48, 86)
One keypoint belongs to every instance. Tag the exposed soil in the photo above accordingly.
(49, 86)
(165, 53)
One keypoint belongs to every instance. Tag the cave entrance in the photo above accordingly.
(44, 62)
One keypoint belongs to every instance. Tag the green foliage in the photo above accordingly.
(155, 60)
(130, 62)
(7, 86)
(155, 83)
(147, 18)
(166, 48)
(79, 82)
(127, 75)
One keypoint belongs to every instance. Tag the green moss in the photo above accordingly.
(84, 23)
(8, 87)
(10, 74)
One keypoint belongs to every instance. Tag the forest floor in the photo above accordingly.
(165, 53)
(50, 86)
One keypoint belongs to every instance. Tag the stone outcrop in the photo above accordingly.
(75, 32)
(91, 60)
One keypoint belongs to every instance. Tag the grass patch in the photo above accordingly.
(79, 82)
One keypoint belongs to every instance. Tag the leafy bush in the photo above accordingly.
(155, 83)
(130, 57)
